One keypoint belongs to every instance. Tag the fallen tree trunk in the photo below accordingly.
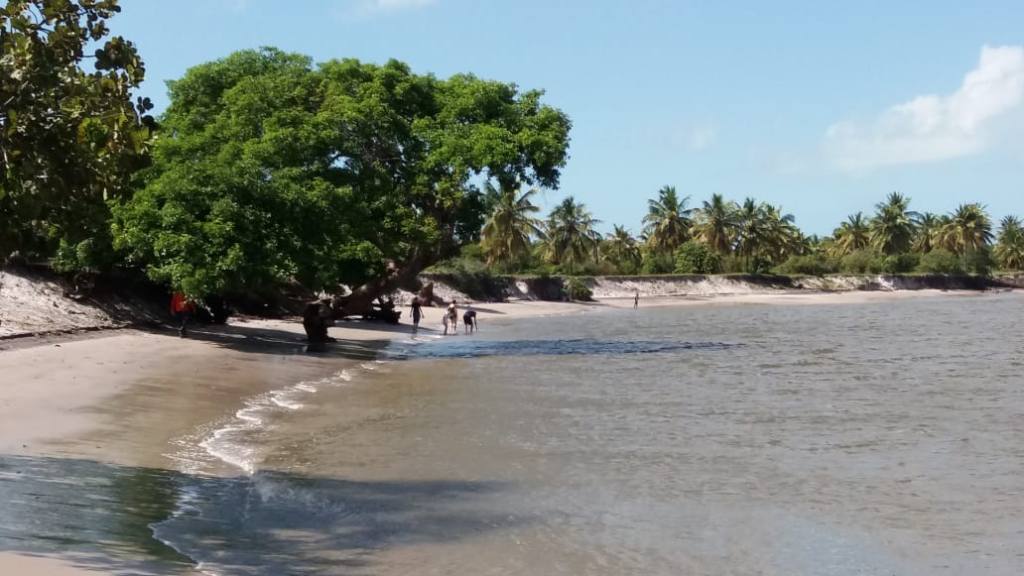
(361, 300)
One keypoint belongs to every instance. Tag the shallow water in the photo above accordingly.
(883, 438)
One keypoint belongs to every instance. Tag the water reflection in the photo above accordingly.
(99, 515)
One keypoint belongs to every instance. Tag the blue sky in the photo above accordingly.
(822, 107)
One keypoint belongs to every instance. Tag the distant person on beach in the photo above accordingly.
(451, 318)
(182, 310)
(469, 319)
(417, 314)
(636, 300)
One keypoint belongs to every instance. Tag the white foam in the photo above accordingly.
(283, 402)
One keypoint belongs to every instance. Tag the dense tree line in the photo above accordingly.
(267, 169)
(748, 237)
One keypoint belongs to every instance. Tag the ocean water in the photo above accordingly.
(839, 440)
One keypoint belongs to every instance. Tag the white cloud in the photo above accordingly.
(935, 127)
(701, 138)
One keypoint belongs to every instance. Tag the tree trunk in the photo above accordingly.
(360, 301)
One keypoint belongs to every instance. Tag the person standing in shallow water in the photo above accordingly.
(451, 318)
(469, 319)
(417, 314)
(636, 300)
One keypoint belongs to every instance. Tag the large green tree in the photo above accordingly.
(71, 135)
(272, 169)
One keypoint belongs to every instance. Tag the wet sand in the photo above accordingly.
(120, 399)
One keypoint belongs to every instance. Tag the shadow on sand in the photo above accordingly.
(102, 516)
(264, 340)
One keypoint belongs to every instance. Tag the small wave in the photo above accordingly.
(232, 442)
(282, 401)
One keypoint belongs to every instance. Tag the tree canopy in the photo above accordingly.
(269, 168)
(71, 136)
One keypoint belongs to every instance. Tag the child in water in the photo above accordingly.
(451, 318)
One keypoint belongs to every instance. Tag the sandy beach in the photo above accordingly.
(121, 398)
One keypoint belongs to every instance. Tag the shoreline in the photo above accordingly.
(122, 398)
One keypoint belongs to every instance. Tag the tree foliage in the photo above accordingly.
(667, 222)
(697, 258)
(1009, 250)
(71, 136)
(272, 169)
(851, 236)
(716, 224)
(893, 227)
(570, 239)
(622, 251)
(509, 229)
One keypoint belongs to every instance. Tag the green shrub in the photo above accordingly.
(812, 265)
(940, 262)
(472, 251)
(732, 264)
(578, 290)
(657, 262)
(978, 262)
(900, 263)
(861, 262)
(696, 258)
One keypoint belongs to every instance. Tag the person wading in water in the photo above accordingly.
(469, 319)
(417, 314)
(451, 318)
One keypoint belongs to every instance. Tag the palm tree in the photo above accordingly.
(969, 229)
(507, 233)
(851, 235)
(716, 224)
(943, 237)
(667, 223)
(570, 238)
(622, 250)
(750, 229)
(1009, 251)
(892, 228)
(928, 227)
(781, 236)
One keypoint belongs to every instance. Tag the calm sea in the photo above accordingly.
(841, 440)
